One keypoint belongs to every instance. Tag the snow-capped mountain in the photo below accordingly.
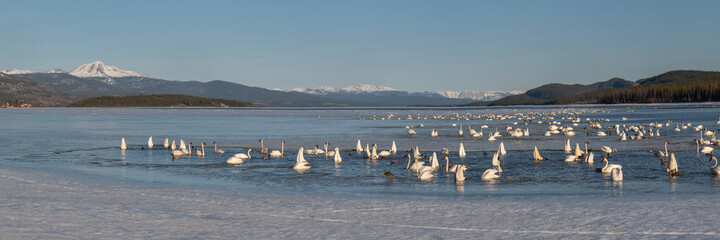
(383, 90)
(478, 95)
(17, 71)
(55, 71)
(98, 69)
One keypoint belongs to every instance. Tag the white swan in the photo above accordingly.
(263, 150)
(358, 146)
(182, 144)
(218, 151)
(426, 174)
(536, 155)
(460, 131)
(490, 174)
(434, 162)
(578, 152)
(122, 144)
(616, 174)
(329, 153)
(301, 163)
(501, 149)
(461, 152)
(590, 158)
(244, 156)
(337, 158)
(410, 131)
(568, 149)
(571, 158)
(177, 153)
(172, 146)
(665, 153)
(672, 165)
(460, 173)
(434, 133)
(715, 170)
(606, 149)
(609, 167)
(706, 150)
(393, 149)
(281, 153)
(166, 144)
(202, 151)
(150, 142)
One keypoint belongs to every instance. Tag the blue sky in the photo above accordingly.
(408, 45)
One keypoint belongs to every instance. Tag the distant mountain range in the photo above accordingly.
(98, 79)
(673, 86)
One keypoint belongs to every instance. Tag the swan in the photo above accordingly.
(491, 138)
(665, 153)
(434, 133)
(185, 150)
(122, 144)
(244, 156)
(536, 155)
(706, 150)
(425, 174)
(609, 167)
(461, 152)
(672, 165)
(501, 149)
(150, 142)
(571, 158)
(496, 161)
(460, 131)
(416, 164)
(202, 152)
(358, 146)
(578, 152)
(328, 153)
(606, 149)
(411, 132)
(166, 144)
(460, 173)
(182, 144)
(590, 158)
(367, 151)
(434, 162)
(218, 151)
(715, 170)
(276, 153)
(490, 174)
(172, 146)
(416, 152)
(301, 163)
(616, 174)
(337, 158)
(263, 150)
(568, 149)
(393, 149)
(177, 153)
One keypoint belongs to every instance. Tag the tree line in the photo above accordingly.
(157, 100)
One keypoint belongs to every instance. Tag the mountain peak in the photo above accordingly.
(364, 88)
(99, 69)
(17, 71)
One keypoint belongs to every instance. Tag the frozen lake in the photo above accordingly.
(88, 140)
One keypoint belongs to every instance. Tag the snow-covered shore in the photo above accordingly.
(37, 203)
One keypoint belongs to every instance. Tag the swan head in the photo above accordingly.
(604, 159)
(283, 142)
(446, 158)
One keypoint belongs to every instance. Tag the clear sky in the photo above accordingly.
(409, 45)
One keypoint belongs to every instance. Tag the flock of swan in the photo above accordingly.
(516, 128)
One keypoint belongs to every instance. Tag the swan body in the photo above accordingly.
(337, 157)
(218, 151)
(202, 152)
(122, 144)
(434, 133)
(411, 132)
(460, 173)
(501, 149)
(568, 149)
(300, 162)
(177, 153)
(578, 152)
(490, 174)
(450, 168)
(166, 144)
(609, 167)
(426, 174)
(536, 155)
(243, 155)
(434, 162)
(150, 142)
(358, 146)
(393, 149)
(263, 150)
(606, 149)
(172, 146)
(276, 153)
(672, 165)
(182, 144)
(706, 150)
(461, 152)
(616, 174)
(590, 158)
(571, 158)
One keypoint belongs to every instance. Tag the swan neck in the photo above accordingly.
(716, 163)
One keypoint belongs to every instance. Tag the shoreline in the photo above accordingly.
(38, 203)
